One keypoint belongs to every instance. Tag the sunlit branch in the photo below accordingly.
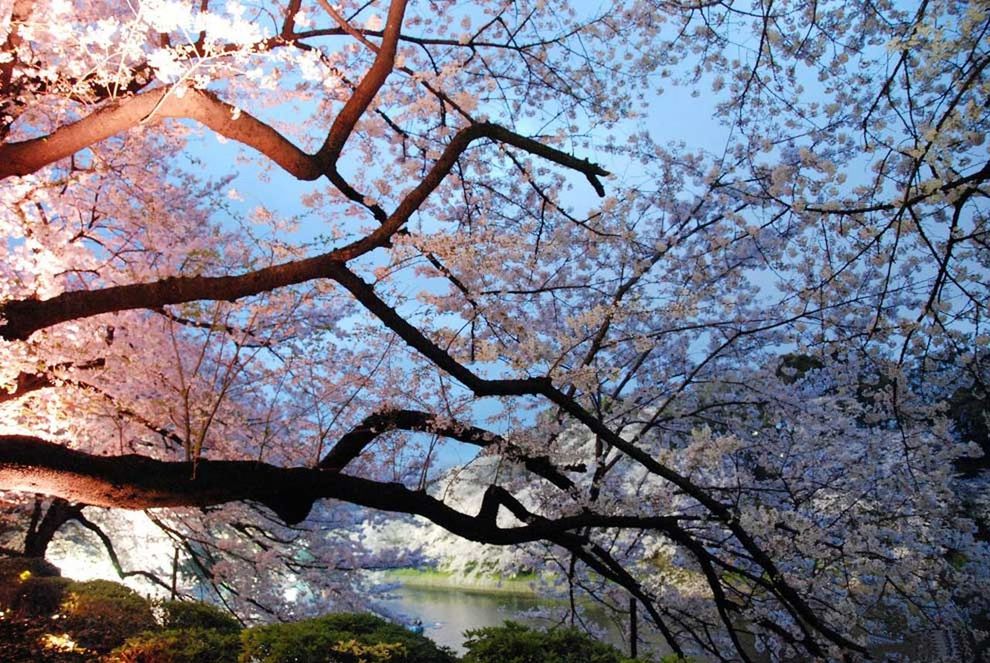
(24, 157)
(366, 90)
(31, 382)
(24, 317)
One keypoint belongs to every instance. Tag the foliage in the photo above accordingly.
(193, 632)
(23, 639)
(58, 619)
(40, 597)
(12, 568)
(345, 637)
(196, 614)
(699, 282)
(515, 643)
(101, 615)
(179, 645)
(25, 585)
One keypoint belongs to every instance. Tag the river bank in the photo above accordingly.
(519, 585)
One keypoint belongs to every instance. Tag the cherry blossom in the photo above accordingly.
(264, 262)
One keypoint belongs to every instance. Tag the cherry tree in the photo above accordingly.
(264, 260)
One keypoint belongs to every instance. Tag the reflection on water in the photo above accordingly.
(447, 613)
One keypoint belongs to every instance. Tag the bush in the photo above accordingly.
(339, 638)
(14, 567)
(193, 632)
(26, 640)
(40, 597)
(101, 615)
(15, 571)
(515, 643)
(197, 615)
(186, 645)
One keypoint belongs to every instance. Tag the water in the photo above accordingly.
(447, 612)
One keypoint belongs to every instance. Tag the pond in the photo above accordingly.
(446, 612)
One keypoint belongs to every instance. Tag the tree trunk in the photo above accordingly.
(42, 530)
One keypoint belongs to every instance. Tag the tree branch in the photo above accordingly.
(26, 316)
(112, 553)
(358, 103)
(29, 382)
(25, 157)
(354, 442)
(31, 464)
(542, 386)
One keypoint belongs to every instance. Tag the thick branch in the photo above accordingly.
(40, 534)
(26, 316)
(30, 464)
(24, 157)
(28, 156)
(366, 90)
(34, 465)
(137, 482)
(29, 382)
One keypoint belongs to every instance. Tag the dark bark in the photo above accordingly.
(41, 532)
(29, 382)
(353, 443)
(137, 482)
(34, 465)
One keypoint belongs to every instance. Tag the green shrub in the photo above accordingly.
(186, 645)
(354, 650)
(101, 615)
(339, 638)
(515, 643)
(195, 614)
